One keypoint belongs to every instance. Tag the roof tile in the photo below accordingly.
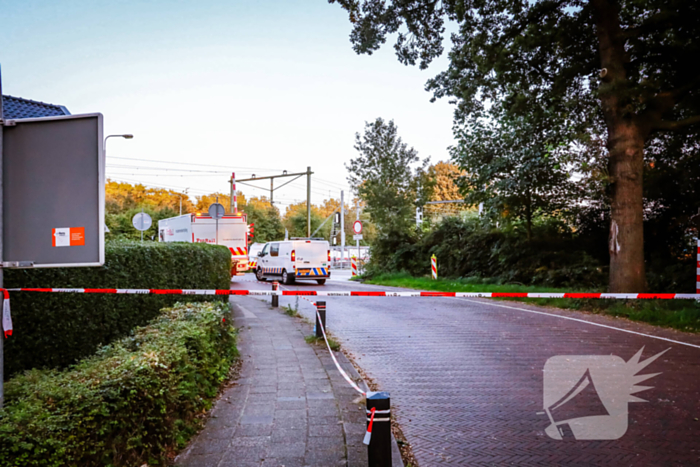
(16, 108)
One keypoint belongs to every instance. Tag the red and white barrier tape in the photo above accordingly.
(330, 293)
(337, 365)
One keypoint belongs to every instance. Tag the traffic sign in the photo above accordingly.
(53, 192)
(216, 211)
(357, 227)
(357, 237)
(142, 221)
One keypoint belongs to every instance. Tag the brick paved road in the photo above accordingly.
(466, 378)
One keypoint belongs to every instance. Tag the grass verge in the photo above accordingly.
(134, 402)
(334, 345)
(678, 314)
(293, 312)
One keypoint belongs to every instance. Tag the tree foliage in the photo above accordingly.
(385, 178)
(515, 167)
(120, 197)
(623, 63)
(266, 219)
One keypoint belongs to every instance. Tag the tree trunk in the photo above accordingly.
(528, 217)
(626, 151)
(626, 246)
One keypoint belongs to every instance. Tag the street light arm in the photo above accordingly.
(125, 136)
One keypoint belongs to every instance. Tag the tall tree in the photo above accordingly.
(515, 167)
(268, 224)
(385, 178)
(628, 61)
(444, 176)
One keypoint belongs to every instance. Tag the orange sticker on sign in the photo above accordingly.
(68, 236)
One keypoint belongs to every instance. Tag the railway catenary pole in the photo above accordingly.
(308, 201)
(342, 229)
(308, 174)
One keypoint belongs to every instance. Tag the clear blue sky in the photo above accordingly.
(256, 86)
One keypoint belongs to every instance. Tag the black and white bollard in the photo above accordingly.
(321, 308)
(378, 436)
(275, 298)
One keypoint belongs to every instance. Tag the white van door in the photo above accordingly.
(274, 261)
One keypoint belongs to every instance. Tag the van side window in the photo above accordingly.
(275, 249)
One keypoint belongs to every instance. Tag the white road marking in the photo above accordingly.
(579, 320)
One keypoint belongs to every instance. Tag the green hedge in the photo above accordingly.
(132, 403)
(470, 247)
(53, 330)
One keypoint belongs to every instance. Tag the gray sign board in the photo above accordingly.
(217, 211)
(53, 198)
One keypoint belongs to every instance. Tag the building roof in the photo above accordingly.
(15, 108)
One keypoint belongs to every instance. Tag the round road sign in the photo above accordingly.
(216, 211)
(142, 221)
(357, 227)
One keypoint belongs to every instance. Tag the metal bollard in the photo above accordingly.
(321, 307)
(275, 298)
(379, 447)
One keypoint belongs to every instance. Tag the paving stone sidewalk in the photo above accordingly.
(290, 407)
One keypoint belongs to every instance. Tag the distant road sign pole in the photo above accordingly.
(216, 211)
(142, 221)
(357, 226)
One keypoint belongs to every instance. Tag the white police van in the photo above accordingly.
(295, 259)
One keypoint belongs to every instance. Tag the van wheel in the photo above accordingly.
(286, 278)
(321, 281)
(259, 275)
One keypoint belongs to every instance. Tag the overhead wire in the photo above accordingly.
(193, 163)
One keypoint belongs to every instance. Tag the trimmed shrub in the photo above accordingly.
(54, 330)
(130, 404)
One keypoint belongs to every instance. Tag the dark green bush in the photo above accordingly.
(54, 330)
(130, 404)
(554, 257)
(472, 248)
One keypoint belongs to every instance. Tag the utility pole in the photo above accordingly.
(272, 191)
(231, 182)
(308, 201)
(342, 229)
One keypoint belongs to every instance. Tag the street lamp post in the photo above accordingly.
(104, 146)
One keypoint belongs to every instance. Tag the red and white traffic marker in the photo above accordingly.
(6, 316)
(368, 434)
